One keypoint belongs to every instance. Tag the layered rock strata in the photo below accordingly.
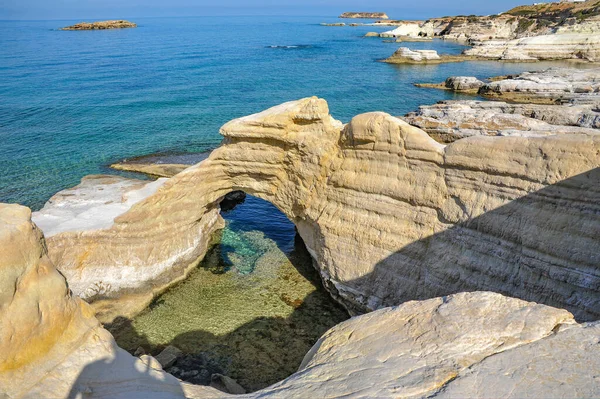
(448, 121)
(580, 46)
(552, 86)
(51, 345)
(470, 344)
(517, 215)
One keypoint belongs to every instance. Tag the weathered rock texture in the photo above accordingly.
(555, 85)
(545, 47)
(101, 25)
(388, 214)
(404, 53)
(366, 15)
(51, 345)
(449, 121)
(469, 344)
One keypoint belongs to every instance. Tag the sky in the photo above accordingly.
(113, 9)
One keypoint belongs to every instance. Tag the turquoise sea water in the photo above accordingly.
(73, 102)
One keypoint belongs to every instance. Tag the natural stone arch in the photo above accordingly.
(373, 192)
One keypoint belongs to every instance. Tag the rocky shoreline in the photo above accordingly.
(453, 201)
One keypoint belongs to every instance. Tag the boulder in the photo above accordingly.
(226, 384)
(168, 356)
(464, 83)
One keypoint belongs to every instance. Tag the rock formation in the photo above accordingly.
(101, 25)
(404, 55)
(410, 29)
(552, 86)
(365, 15)
(469, 344)
(458, 84)
(448, 121)
(51, 345)
(153, 169)
(546, 31)
(434, 220)
(581, 46)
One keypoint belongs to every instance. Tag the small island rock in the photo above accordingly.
(101, 25)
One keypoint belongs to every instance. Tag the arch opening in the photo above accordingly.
(251, 310)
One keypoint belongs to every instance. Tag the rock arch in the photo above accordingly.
(374, 192)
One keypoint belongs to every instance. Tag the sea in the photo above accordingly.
(74, 102)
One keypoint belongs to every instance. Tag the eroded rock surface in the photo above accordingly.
(566, 46)
(448, 121)
(517, 215)
(552, 86)
(53, 347)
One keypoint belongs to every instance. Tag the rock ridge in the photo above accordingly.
(522, 222)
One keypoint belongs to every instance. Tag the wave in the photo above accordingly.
(292, 47)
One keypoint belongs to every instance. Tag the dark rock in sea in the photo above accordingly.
(232, 200)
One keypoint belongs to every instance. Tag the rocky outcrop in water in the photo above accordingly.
(464, 345)
(552, 86)
(408, 55)
(448, 121)
(101, 25)
(581, 46)
(365, 15)
(524, 221)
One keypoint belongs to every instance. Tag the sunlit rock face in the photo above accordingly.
(51, 345)
(388, 214)
(545, 47)
(449, 121)
(465, 345)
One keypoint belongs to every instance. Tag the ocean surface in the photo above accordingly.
(71, 103)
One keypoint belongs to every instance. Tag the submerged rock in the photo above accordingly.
(168, 356)
(226, 384)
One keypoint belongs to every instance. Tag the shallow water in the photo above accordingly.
(72, 102)
(251, 310)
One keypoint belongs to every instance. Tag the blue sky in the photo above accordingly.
(102, 9)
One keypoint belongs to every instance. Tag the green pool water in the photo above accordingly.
(251, 310)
